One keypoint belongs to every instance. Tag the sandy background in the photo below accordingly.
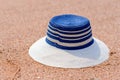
(22, 22)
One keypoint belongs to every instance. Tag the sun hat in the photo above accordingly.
(69, 44)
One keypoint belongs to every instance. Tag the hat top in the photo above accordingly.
(69, 21)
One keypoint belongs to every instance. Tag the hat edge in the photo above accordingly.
(60, 66)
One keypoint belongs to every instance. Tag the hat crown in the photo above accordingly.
(69, 31)
(69, 22)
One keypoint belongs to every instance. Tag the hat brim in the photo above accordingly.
(46, 54)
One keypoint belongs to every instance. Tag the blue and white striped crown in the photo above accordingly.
(69, 32)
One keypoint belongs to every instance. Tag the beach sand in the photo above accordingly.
(22, 22)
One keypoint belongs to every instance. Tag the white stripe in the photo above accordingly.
(69, 35)
(69, 44)
(69, 31)
(68, 39)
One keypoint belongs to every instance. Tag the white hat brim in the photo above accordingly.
(46, 54)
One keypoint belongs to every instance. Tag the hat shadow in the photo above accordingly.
(92, 52)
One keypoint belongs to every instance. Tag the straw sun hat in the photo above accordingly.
(69, 44)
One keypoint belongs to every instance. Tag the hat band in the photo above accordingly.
(68, 32)
(55, 36)
(68, 35)
(68, 46)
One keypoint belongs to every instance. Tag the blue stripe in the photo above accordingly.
(69, 37)
(69, 31)
(69, 48)
(73, 28)
(69, 41)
